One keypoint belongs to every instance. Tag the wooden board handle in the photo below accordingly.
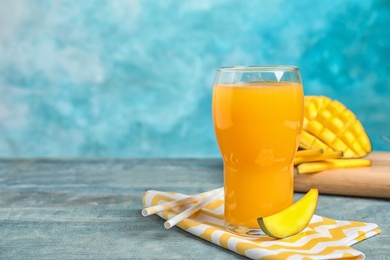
(373, 181)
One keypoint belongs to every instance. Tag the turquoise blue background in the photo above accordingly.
(134, 78)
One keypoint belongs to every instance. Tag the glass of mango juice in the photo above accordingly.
(257, 115)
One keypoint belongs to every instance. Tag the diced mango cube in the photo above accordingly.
(327, 136)
(335, 125)
(314, 127)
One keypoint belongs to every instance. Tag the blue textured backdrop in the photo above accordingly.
(130, 78)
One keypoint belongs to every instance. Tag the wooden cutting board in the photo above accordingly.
(373, 181)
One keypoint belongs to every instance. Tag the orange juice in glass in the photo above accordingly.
(257, 114)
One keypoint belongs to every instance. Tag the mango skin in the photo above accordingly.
(291, 220)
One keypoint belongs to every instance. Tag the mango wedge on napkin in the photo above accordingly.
(332, 137)
(291, 220)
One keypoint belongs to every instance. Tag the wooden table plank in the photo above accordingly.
(82, 208)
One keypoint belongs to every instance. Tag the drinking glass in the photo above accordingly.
(257, 115)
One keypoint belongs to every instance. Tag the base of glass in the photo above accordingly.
(244, 231)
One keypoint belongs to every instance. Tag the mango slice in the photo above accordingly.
(313, 167)
(331, 126)
(309, 152)
(291, 220)
(319, 157)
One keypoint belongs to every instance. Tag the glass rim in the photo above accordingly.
(250, 68)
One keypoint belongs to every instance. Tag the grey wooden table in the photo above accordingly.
(74, 209)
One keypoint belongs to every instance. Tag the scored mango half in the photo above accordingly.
(330, 126)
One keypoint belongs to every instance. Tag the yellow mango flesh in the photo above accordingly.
(320, 157)
(330, 126)
(291, 220)
(312, 167)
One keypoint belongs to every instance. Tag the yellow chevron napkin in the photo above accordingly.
(324, 238)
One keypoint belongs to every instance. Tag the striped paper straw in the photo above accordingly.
(178, 203)
(191, 210)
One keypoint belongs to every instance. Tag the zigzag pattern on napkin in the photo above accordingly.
(324, 238)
